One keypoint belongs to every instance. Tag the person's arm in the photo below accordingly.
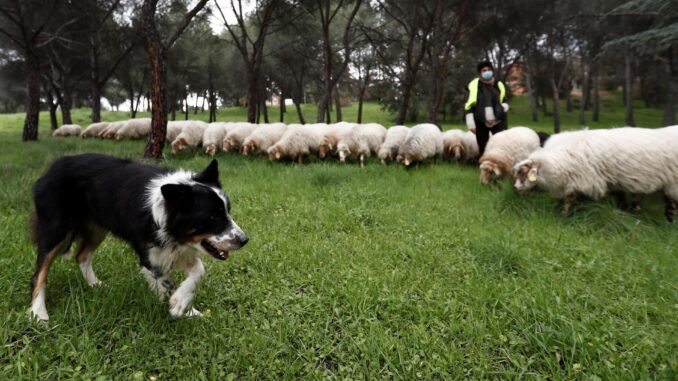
(504, 103)
(468, 109)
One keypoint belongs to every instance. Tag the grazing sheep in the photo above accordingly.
(213, 137)
(596, 162)
(190, 135)
(364, 140)
(68, 130)
(134, 129)
(236, 136)
(298, 142)
(504, 150)
(93, 130)
(424, 141)
(263, 137)
(109, 132)
(395, 136)
(334, 134)
(173, 130)
(460, 146)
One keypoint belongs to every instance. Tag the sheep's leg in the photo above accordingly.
(635, 203)
(362, 161)
(671, 209)
(620, 200)
(570, 199)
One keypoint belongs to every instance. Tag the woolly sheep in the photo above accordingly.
(335, 133)
(504, 150)
(596, 162)
(424, 141)
(173, 130)
(236, 136)
(93, 130)
(134, 129)
(395, 136)
(298, 142)
(460, 146)
(111, 129)
(363, 140)
(190, 135)
(213, 137)
(68, 130)
(263, 137)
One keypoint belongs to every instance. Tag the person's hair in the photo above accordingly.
(483, 64)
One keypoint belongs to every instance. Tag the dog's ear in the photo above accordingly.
(209, 175)
(177, 194)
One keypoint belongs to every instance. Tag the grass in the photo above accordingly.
(380, 273)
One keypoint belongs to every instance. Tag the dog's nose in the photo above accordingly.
(244, 240)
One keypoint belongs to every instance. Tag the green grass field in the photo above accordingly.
(381, 273)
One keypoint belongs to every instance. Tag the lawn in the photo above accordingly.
(381, 273)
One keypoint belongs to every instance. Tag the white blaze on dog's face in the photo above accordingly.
(197, 213)
(527, 174)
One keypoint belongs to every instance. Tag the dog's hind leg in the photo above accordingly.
(86, 246)
(182, 298)
(46, 255)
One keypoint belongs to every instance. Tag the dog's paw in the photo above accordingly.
(179, 304)
(38, 316)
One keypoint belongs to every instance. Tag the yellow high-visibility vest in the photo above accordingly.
(473, 93)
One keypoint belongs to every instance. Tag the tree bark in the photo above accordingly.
(52, 109)
(66, 103)
(595, 102)
(585, 75)
(187, 106)
(405, 102)
(337, 104)
(96, 101)
(282, 107)
(672, 96)
(264, 109)
(156, 58)
(556, 106)
(30, 131)
(628, 89)
(532, 96)
(300, 114)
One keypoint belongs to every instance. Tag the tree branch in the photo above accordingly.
(187, 20)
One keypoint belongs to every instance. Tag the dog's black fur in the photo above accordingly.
(82, 197)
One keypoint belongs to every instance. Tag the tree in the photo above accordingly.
(157, 48)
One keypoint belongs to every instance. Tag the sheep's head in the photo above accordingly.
(344, 151)
(526, 173)
(228, 144)
(275, 153)
(119, 136)
(211, 149)
(249, 147)
(179, 144)
(489, 172)
(457, 152)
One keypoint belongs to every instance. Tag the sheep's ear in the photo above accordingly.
(209, 175)
(496, 170)
(532, 174)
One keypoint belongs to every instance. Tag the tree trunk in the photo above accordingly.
(595, 106)
(186, 102)
(94, 83)
(672, 96)
(300, 114)
(156, 58)
(544, 106)
(264, 109)
(204, 97)
(52, 109)
(195, 108)
(405, 101)
(628, 89)
(413, 111)
(252, 96)
(337, 104)
(584, 93)
(361, 97)
(32, 100)
(438, 76)
(533, 97)
(66, 105)
(136, 108)
(282, 107)
(556, 107)
(568, 99)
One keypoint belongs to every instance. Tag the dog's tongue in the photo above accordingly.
(221, 255)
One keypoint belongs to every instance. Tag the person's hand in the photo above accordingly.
(470, 122)
(505, 106)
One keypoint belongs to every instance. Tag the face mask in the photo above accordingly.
(487, 75)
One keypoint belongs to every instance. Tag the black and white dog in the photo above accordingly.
(166, 216)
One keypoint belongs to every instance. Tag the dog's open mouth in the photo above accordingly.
(213, 251)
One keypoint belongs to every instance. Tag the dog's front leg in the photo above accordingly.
(159, 281)
(181, 299)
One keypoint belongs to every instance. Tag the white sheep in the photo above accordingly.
(236, 136)
(68, 130)
(364, 140)
(190, 135)
(395, 136)
(460, 146)
(213, 137)
(504, 150)
(596, 162)
(298, 142)
(93, 130)
(111, 129)
(134, 129)
(423, 141)
(263, 137)
(173, 130)
(335, 132)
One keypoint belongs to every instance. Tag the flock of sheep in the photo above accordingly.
(591, 163)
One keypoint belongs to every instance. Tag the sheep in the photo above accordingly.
(334, 134)
(134, 129)
(395, 136)
(593, 163)
(93, 130)
(68, 130)
(504, 150)
(263, 137)
(173, 130)
(213, 137)
(298, 142)
(190, 135)
(236, 136)
(109, 132)
(460, 146)
(363, 140)
(424, 141)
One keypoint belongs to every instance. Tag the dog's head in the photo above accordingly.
(197, 213)
(526, 173)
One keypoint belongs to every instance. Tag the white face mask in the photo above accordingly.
(487, 75)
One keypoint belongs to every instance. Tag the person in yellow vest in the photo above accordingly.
(486, 108)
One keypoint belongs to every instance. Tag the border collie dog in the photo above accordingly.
(166, 216)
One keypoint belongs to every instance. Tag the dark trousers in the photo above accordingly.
(483, 133)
